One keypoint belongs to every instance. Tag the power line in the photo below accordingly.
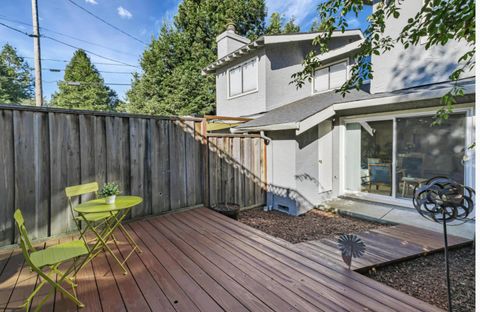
(100, 71)
(104, 21)
(78, 83)
(69, 45)
(90, 52)
(16, 29)
(2, 17)
(67, 61)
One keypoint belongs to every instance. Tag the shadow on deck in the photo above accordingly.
(198, 260)
(385, 246)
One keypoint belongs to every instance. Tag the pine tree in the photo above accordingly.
(291, 27)
(83, 87)
(171, 82)
(16, 82)
(275, 24)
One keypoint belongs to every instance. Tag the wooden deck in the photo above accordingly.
(198, 260)
(385, 246)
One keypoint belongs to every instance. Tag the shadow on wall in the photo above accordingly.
(287, 200)
(416, 66)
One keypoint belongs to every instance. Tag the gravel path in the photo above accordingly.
(315, 224)
(424, 278)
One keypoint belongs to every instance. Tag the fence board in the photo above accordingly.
(65, 168)
(118, 152)
(7, 176)
(138, 161)
(87, 152)
(45, 150)
(178, 192)
(160, 168)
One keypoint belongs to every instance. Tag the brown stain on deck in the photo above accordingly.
(199, 260)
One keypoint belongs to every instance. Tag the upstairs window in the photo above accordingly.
(243, 78)
(330, 77)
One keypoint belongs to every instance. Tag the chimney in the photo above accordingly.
(229, 41)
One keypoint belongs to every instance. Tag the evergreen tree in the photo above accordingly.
(16, 83)
(171, 82)
(291, 27)
(277, 25)
(83, 87)
(274, 24)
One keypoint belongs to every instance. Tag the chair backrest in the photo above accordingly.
(380, 173)
(77, 190)
(25, 242)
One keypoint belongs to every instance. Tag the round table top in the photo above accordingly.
(99, 205)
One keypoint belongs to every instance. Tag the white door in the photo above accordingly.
(325, 156)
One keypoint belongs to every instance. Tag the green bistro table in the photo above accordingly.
(118, 210)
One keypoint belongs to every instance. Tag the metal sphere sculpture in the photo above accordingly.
(444, 200)
(351, 246)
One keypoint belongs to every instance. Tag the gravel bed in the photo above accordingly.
(315, 224)
(424, 278)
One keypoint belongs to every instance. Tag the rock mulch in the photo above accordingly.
(315, 224)
(424, 278)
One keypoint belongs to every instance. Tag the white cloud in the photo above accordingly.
(301, 9)
(353, 23)
(91, 1)
(124, 13)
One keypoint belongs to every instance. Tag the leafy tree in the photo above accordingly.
(438, 22)
(16, 83)
(83, 87)
(171, 81)
(277, 25)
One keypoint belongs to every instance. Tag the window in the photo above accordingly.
(330, 77)
(391, 157)
(243, 78)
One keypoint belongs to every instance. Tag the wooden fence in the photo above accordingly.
(160, 159)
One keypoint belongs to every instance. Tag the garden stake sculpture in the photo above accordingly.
(443, 200)
(350, 246)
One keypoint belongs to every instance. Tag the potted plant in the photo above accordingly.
(109, 191)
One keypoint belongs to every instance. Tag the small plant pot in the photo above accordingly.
(230, 210)
(110, 199)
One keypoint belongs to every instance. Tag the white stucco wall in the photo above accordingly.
(400, 68)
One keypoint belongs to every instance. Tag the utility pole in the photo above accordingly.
(36, 50)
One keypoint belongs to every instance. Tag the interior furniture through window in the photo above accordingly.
(390, 157)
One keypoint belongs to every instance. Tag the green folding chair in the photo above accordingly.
(100, 219)
(45, 263)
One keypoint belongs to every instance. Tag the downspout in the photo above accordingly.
(268, 140)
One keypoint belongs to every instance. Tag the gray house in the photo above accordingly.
(373, 145)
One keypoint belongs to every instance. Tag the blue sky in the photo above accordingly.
(141, 19)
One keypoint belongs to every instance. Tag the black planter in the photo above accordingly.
(230, 210)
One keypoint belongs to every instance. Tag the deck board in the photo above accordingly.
(198, 260)
(385, 246)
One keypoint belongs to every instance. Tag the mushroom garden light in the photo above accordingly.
(443, 200)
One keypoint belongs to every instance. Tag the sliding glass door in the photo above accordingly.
(425, 151)
(390, 157)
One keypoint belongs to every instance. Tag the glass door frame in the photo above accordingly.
(392, 116)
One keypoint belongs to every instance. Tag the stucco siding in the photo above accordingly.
(243, 105)
(284, 60)
(402, 68)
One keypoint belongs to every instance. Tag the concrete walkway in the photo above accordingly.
(395, 214)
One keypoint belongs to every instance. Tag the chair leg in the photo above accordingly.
(51, 292)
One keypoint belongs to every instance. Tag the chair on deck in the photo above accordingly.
(51, 258)
(100, 218)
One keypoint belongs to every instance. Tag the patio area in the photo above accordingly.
(198, 260)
